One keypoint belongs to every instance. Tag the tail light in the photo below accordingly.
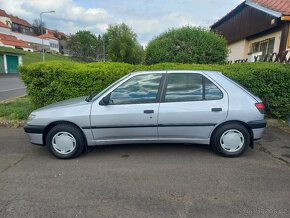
(260, 107)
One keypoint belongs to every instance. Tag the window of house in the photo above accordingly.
(137, 90)
(265, 46)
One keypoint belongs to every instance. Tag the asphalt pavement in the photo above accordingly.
(172, 180)
(11, 86)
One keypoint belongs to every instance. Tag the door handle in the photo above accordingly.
(216, 109)
(148, 111)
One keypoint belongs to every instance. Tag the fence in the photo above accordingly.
(274, 57)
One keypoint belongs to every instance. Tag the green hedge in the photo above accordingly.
(58, 80)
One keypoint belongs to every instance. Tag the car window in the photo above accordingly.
(184, 87)
(138, 89)
(212, 92)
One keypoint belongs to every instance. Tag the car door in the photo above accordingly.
(191, 105)
(131, 114)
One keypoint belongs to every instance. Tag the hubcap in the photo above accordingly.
(232, 140)
(63, 142)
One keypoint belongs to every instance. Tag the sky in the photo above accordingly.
(147, 18)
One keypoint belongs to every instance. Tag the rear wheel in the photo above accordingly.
(231, 140)
(65, 141)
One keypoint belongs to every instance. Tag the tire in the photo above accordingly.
(231, 140)
(65, 141)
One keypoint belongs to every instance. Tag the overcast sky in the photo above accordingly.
(147, 18)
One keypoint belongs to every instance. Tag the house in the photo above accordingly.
(257, 28)
(15, 23)
(23, 30)
(9, 62)
(53, 41)
(12, 42)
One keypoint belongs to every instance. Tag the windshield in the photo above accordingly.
(96, 94)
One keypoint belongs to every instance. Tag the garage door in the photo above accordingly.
(12, 63)
(2, 68)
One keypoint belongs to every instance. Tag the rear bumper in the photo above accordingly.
(258, 127)
(35, 133)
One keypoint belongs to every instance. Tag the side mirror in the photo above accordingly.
(105, 100)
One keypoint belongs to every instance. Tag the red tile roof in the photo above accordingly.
(12, 40)
(281, 6)
(45, 36)
(4, 25)
(54, 31)
(20, 21)
(3, 13)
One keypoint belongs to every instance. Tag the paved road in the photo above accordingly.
(139, 181)
(11, 86)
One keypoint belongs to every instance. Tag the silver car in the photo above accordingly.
(181, 106)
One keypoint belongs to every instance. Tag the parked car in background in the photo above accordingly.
(180, 106)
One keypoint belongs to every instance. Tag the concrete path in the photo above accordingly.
(141, 181)
(11, 86)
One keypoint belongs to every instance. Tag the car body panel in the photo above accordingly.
(186, 122)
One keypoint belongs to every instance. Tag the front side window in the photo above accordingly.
(138, 89)
(184, 87)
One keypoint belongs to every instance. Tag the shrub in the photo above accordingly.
(187, 45)
(55, 81)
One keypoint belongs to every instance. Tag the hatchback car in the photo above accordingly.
(183, 106)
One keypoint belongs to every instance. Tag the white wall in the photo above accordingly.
(238, 50)
(30, 39)
(4, 30)
(55, 46)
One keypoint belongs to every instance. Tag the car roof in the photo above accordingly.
(208, 72)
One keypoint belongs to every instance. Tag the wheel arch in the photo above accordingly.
(55, 123)
(234, 121)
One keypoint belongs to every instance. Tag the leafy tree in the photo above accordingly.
(187, 45)
(121, 44)
(85, 46)
(37, 23)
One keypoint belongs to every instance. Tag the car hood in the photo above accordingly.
(65, 103)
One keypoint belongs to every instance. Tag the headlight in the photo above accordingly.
(31, 117)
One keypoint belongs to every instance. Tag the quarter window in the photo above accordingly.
(138, 89)
(212, 92)
(184, 87)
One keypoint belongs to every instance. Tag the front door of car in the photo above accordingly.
(131, 113)
(190, 107)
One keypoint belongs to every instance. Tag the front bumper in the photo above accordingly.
(35, 133)
(258, 127)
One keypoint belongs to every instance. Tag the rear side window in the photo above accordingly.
(184, 87)
(190, 87)
(211, 91)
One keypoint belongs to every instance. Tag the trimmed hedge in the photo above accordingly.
(58, 80)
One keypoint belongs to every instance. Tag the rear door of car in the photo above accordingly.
(191, 105)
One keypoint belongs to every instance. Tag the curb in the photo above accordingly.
(12, 123)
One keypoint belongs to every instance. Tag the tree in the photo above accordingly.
(187, 45)
(121, 44)
(85, 46)
(37, 23)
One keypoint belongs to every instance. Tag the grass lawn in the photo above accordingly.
(31, 57)
(16, 109)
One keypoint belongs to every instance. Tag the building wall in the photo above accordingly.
(5, 19)
(276, 35)
(238, 50)
(241, 49)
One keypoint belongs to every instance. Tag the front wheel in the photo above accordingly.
(65, 141)
(231, 140)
